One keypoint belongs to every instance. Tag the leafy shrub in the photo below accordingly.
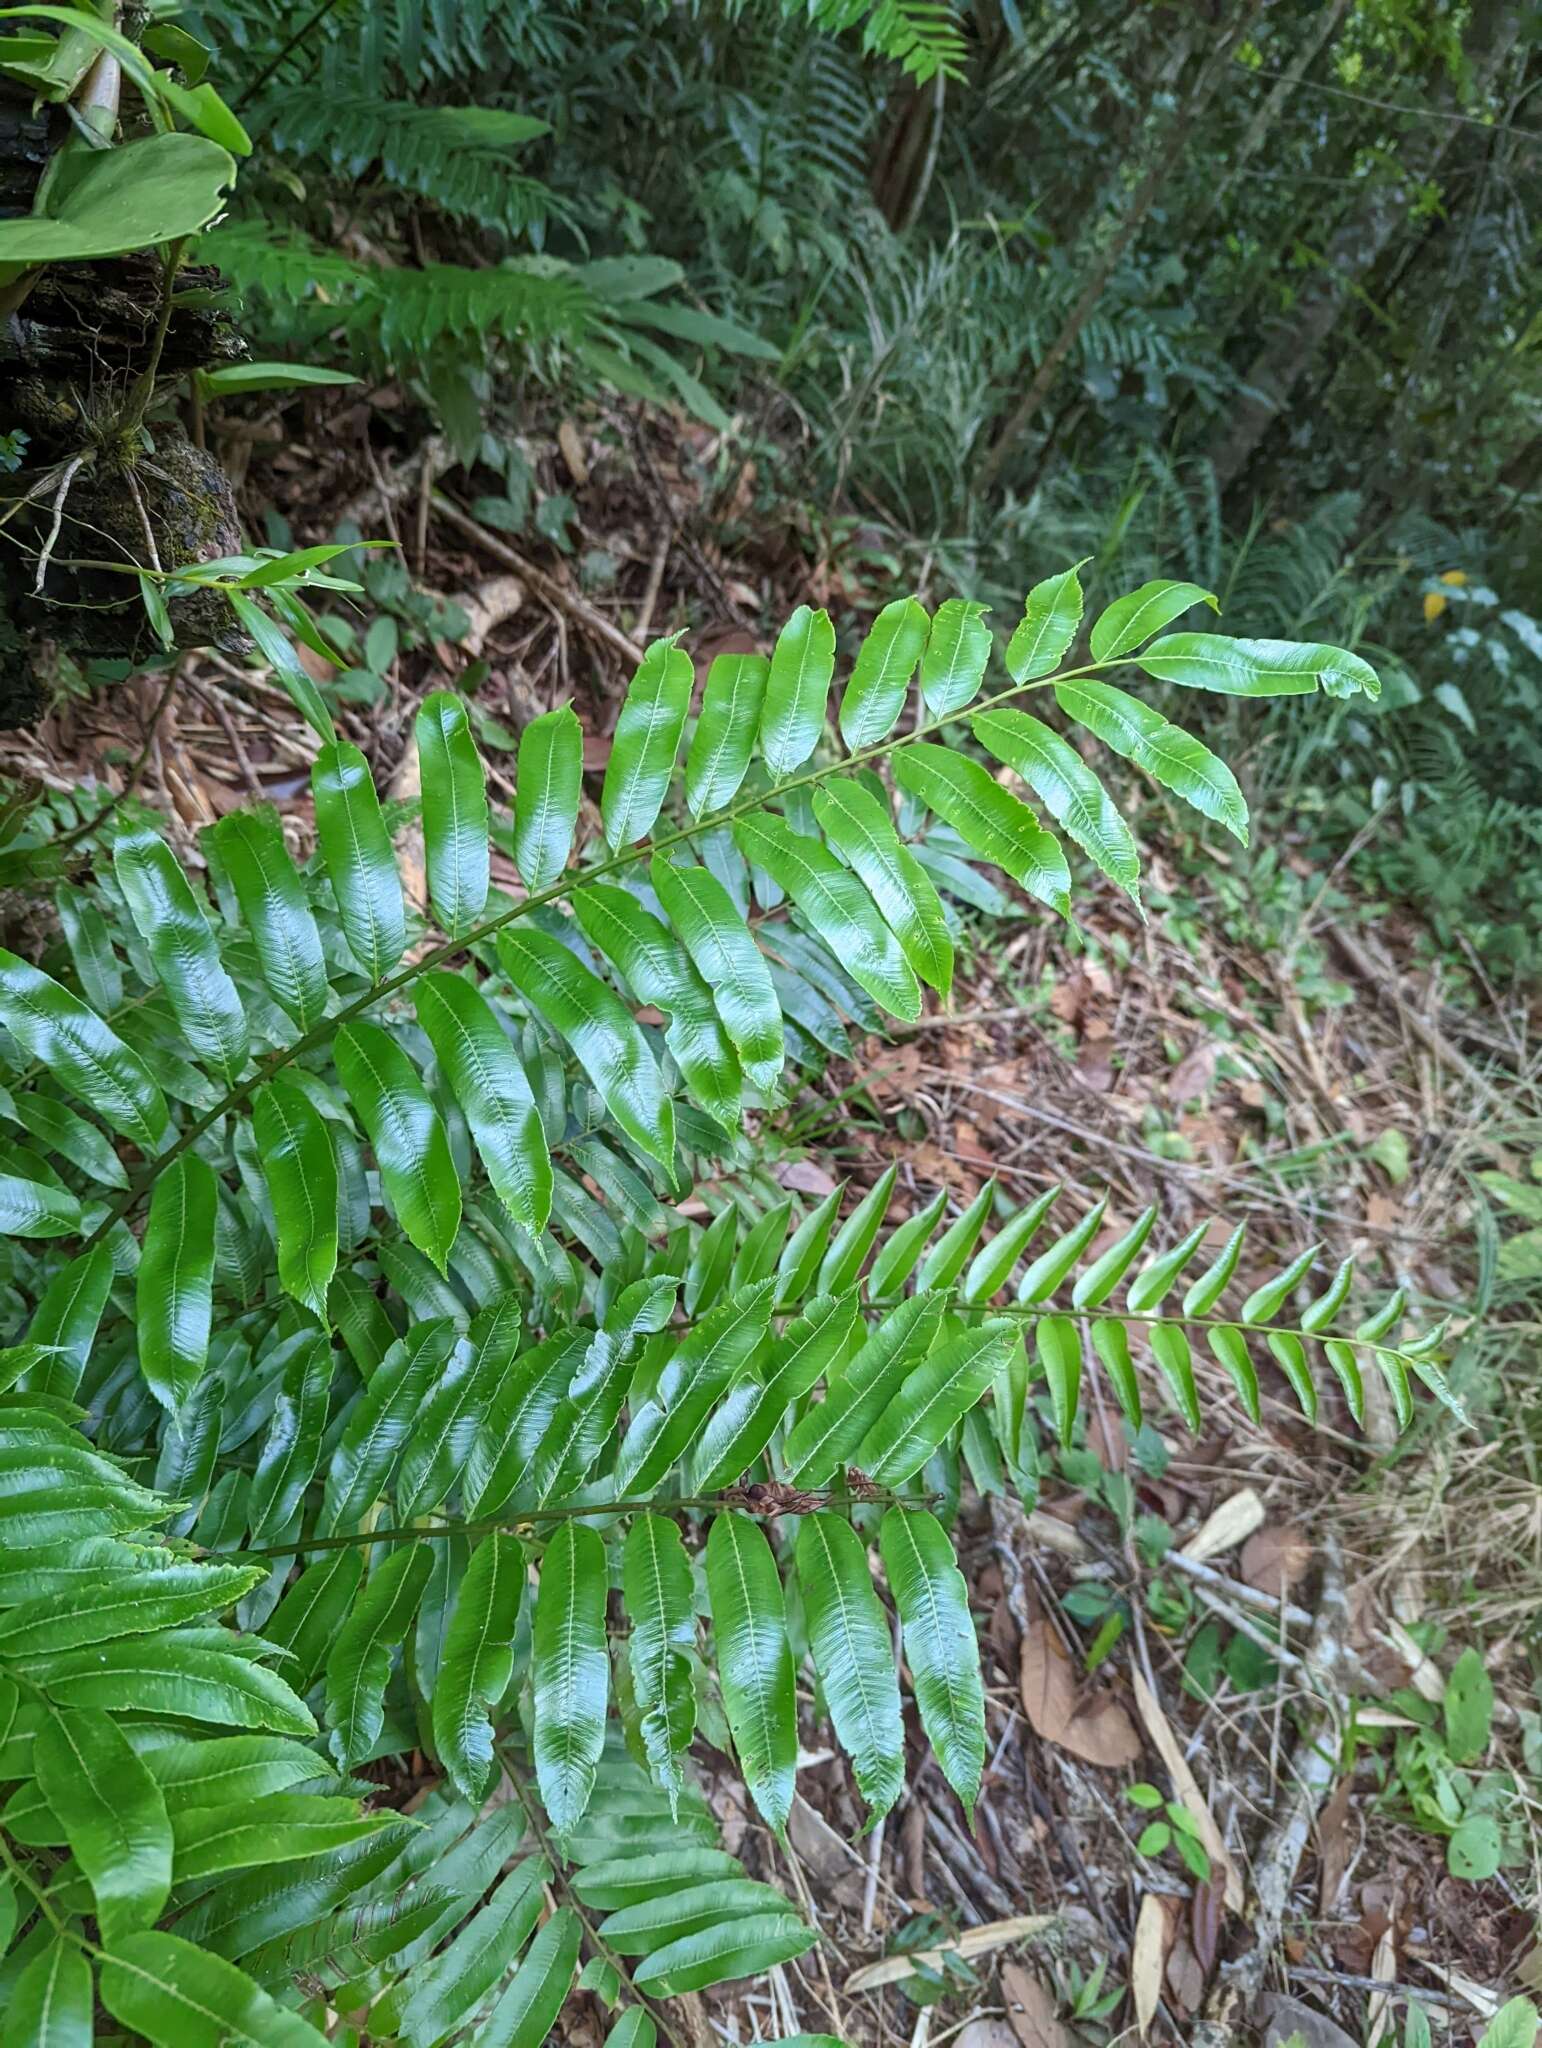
(414, 1372)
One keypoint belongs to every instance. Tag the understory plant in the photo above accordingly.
(430, 1424)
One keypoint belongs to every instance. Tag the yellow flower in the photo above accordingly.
(1435, 602)
(1457, 578)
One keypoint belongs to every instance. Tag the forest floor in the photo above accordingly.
(1267, 1620)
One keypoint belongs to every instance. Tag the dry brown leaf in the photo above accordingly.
(1275, 1557)
(1185, 1978)
(1333, 1845)
(1286, 2017)
(1230, 1524)
(1194, 1074)
(986, 2034)
(1089, 1723)
(1148, 1957)
(1031, 2010)
(1187, 1788)
(804, 1175)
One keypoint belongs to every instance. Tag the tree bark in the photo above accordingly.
(1145, 197)
(1356, 246)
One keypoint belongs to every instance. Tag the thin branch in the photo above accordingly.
(100, 817)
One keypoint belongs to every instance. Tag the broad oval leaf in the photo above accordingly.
(546, 794)
(793, 710)
(526, 2013)
(1129, 620)
(1050, 618)
(60, 1130)
(487, 1080)
(602, 1032)
(880, 675)
(849, 1638)
(50, 2006)
(413, 1152)
(754, 1662)
(174, 1290)
(734, 1948)
(182, 950)
(934, 1396)
(957, 650)
(941, 1648)
(645, 743)
(455, 820)
(724, 739)
(356, 850)
(570, 1672)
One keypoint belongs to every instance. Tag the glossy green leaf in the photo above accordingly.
(634, 2029)
(880, 675)
(1267, 1300)
(60, 1130)
(546, 795)
(803, 1251)
(645, 743)
(941, 1650)
(50, 2006)
(291, 1449)
(1167, 753)
(356, 850)
(710, 1357)
(380, 1423)
(793, 710)
(901, 1249)
(487, 1080)
(1129, 620)
(998, 825)
(359, 1662)
(297, 684)
(527, 2011)
(1230, 1349)
(933, 1397)
(1258, 668)
(89, 940)
(455, 820)
(1319, 1314)
(991, 1267)
(1056, 1261)
(410, 1146)
(180, 1996)
(174, 1290)
(1290, 1355)
(1207, 1290)
(642, 1929)
(1049, 622)
(156, 1597)
(1111, 1341)
(67, 1318)
(724, 739)
(33, 1208)
(278, 1828)
(602, 1032)
(58, 1031)
(849, 1638)
(734, 1948)
(658, 970)
(656, 1580)
(838, 907)
(250, 845)
(1097, 1283)
(729, 961)
(806, 1351)
(113, 1816)
(448, 1989)
(1346, 1366)
(754, 1662)
(1069, 790)
(1057, 1345)
(1155, 1281)
(957, 650)
(301, 1171)
(183, 950)
(478, 1661)
(947, 1257)
(1170, 1349)
(842, 1263)
(831, 1430)
(859, 827)
(570, 1672)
